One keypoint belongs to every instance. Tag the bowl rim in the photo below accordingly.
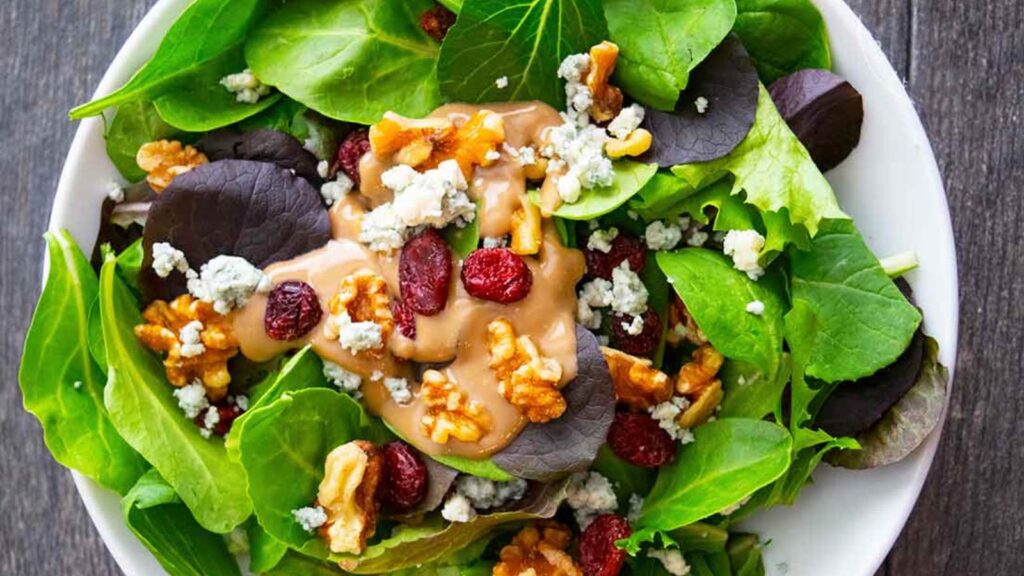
(122, 544)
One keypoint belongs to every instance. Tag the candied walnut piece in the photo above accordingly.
(637, 383)
(703, 408)
(426, 143)
(361, 297)
(681, 326)
(449, 413)
(526, 379)
(163, 160)
(538, 549)
(204, 359)
(607, 101)
(700, 371)
(638, 142)
(348, 494)
(526, 229)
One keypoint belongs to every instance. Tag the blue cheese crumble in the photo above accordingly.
(310, 518)
(484, 494)
(627, 121)
(336, 189)
(601, 240)
(167, 259)
(590, 494)
(353, 336)
(435, 198)
(744, 246)
(501, 83)
(399, 390)
(662, 236)
(190, 337)
(192, 399)
(667, 415)
(345, 380)
(672, 560)
(756, 308)
(457, 508)
(227, 282)
(245, 86)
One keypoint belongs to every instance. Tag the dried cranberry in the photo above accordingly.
(293, 309)
(599, 556)
(624, 247)
(496, 274)
(637, 439)
(405, 477)
(352, 149)
(436, 22)
(642, 344)
(405, 319)
(425, 272)
(227, 412)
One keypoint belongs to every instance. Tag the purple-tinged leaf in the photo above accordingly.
(262, 146)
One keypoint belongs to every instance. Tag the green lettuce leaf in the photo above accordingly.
(628, 179)
(155, 514)
(145, 413)
(661, 41)
(774, 169)
(265, 551)
(61, 384)
(134, 124)
(524, 42)
(863, 321)
(783, 36)
(351, 60)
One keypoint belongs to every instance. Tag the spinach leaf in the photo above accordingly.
(61, 384)
(97, 349)
(730, 459)
(155, 514)
(203, 42)
(717, 294)
(282, 447)
(524, 42)
(661, 41)
(628, 179)
(783, 36)
(863, 320)
(662, 197)
(907, 424)
(265, 551)
(413, 545)
(750, 391)
(350, 60)
(134, 124)
(774, 169)
(143, 409)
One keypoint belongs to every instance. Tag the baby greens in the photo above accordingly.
(183, 77)
(146, 415)
(863, 320)
(282, 447)
(67, 395)
(155, 514)
(350, 60)
(662, 41)
(730, 459)
(783, 36)
(774, 169)
(523, 42)
(134, 124)
(629, 178)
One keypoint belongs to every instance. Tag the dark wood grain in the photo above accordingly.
(964, 65)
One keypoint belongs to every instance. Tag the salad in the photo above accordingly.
(547, 288)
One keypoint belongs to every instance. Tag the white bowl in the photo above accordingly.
(843, 525)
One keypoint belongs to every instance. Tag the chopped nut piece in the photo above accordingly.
(637, 383)
(607, 98)
(682, 326)
(449, 413)
(424, 144)
(163, 160)
(348, 496)
(703, 407)
(638, 142)
(526, 379)
(526, 233)
(700, 371)
(163, 330)
(538, 550)
(361, 301)
(538, 170)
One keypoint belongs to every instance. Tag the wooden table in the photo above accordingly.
(964, 66)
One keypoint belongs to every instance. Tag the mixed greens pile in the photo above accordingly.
(825, 358)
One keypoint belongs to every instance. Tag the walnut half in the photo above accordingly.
(528, 380)
(348, 496)
(164, 160)
(637, 383)
(450, 414)
(538, 549)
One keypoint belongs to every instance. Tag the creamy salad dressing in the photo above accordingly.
(455, 339)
